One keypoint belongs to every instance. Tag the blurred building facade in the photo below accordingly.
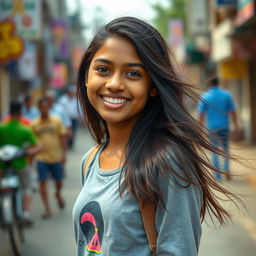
(223, 35)
(43, 35)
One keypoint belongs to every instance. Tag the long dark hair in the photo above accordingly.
(166, 127)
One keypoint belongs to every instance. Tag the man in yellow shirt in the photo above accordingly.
(51, 134)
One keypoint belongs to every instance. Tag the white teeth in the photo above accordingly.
(114, 100)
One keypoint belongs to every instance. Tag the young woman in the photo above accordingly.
(150, 149)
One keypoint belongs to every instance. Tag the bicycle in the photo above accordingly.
(11, 206)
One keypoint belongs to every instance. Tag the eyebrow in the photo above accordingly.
(136, 64)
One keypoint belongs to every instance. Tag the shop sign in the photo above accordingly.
(26, 14)
(198, 20)
(60, 39)
(11, 45)
(246, 10)
(226, 3)
(221, 42)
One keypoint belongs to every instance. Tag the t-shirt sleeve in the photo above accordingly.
(61, 127)
(230, 103)
(178, 221)
(202, 106)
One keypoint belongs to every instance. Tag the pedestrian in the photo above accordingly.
(13, 132)
(70, 104)
(216, 107)
(28, 110)
(148, 153)
(57, 109)
(51, 133)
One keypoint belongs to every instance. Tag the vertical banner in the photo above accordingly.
(27, 63)
(60, 39)
(59, 76)
(176, 35)
(26, 14)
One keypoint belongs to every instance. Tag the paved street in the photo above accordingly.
(54, 237)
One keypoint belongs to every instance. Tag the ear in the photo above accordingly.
(153, 92)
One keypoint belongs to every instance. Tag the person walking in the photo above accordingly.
(28, 110)
(70, 104)
(57, 109)
(51, 133)
(148, 155)
(215, 108)
(13, 132)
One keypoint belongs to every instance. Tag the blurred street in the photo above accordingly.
(55, 236)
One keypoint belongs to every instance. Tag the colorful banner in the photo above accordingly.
(11, 45)
(26, 14)
(27, 63)
(59, 76)
(77, 54)
(60, 39)
(246, 10)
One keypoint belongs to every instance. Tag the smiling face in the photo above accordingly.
(118, 86)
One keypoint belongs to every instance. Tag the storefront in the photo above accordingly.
(244, 48)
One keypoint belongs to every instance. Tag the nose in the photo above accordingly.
(115, 83)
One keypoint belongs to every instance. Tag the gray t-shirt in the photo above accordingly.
(109, 225)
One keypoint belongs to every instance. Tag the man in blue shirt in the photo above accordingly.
(217, 105)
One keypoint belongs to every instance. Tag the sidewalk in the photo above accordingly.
(248, 155)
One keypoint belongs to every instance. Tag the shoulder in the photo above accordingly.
(55, 119)
(87, 160)
(92, 151)
(208, 94)
(3, 125)
(181, 167)
(63, 99)
(35, 121)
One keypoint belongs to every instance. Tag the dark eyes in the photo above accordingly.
(133, 73)
(103, 70)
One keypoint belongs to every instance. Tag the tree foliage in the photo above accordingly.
(174, 9)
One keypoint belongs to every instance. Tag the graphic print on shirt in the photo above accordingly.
(92, 225)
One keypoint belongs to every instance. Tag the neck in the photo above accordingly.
(44, 117)
(15, 117)
(119, 136)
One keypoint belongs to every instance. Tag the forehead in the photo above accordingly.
(118, 49)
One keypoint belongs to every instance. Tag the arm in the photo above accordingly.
(234, 119)
(201, 109)
(63, 142)
(33, 150)
(201, 118)
(178, 223)
(63, 139)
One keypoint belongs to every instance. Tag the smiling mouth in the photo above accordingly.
(117, 101)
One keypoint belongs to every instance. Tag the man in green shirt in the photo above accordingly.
(14, 133)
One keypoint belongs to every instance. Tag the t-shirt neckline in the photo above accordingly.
(101, 171)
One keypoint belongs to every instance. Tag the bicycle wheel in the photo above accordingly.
(16, 236)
